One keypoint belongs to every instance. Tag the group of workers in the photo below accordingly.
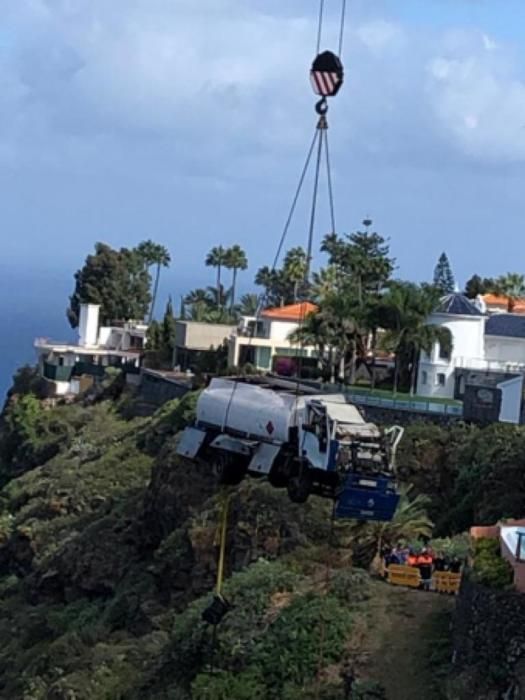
(427, 561)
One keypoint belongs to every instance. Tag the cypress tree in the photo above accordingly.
(443, 277)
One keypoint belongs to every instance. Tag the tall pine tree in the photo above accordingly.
(443, 277)
(167, 329)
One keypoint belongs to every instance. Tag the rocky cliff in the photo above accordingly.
(108, 557)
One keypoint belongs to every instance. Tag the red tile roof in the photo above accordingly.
(500, 302)
(291, 312)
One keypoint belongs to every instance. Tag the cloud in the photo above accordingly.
(477, 96)
(219, 85)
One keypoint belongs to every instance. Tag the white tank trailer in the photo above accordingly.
(300, 439)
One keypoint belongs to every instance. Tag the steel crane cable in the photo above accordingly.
(320, 25)
(320, 128)
(342, 28)
(329, 180)
(295, 200)
(342, 23)
(321, 139)
(263, 297)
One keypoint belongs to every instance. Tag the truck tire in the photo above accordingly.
(299, 488)
(230, 469)
(278, 478)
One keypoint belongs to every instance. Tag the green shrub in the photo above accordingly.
(368, 690)
(31, 435)
(227, 685)
(172, 417)
(272, 639)
(289, 652)
(457, 546)
(350, 586)
(73, 617)
(490, 569)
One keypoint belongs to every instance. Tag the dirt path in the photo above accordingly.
(404, 628)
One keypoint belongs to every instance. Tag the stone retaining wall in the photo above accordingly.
(489, 641)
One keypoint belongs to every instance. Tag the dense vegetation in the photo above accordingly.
(107, 557)
(472, 475)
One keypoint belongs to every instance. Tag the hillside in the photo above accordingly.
(108, 557)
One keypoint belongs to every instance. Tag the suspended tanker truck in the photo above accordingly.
(300, 439)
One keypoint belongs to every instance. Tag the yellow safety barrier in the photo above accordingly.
(446, 582)
(400, 575)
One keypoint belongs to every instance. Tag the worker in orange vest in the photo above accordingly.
(424, 564)
(411, 559)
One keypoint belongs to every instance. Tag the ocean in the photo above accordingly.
(32, 304)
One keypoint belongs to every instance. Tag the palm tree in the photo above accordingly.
(235, 260)
(217, 258)
(409, 523)
(219, 297)
(154, 254)
(336, 334)
(511, 286)
(198, 296)
(326, 282)
(199, 312)
(346, 316)
(249, 304)
(199, 302)
(403, 313)
(315, 331)
(294, 268)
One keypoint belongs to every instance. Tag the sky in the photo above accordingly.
(188, 122)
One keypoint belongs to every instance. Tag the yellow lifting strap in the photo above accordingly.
(223, 530)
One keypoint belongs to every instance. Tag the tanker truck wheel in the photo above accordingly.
(230, 469)
(299, 488)
(278, 477)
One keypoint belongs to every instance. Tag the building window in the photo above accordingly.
(444, 353)
(291, 352)
(424, 377)
(263, 358)
(441, 379)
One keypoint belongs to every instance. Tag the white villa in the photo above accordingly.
(71, 367)
(487, 362)
(259, 341)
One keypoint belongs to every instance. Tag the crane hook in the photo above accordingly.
(321, 107)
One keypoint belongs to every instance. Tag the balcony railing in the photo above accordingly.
(57, 373)
(89, 368)
(488, 365)
(248, 333)
(62, 373)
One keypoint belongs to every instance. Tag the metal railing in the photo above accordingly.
(57, 373)
(409, 404)
(488, 365)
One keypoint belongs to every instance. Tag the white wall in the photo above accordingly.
(104, 336)
(88, 324)
(62, 388)
(468, 339)
(236, 342)
(512, 391)
(280, 330)
(468, 334)
(505, 349)
(202, 336)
